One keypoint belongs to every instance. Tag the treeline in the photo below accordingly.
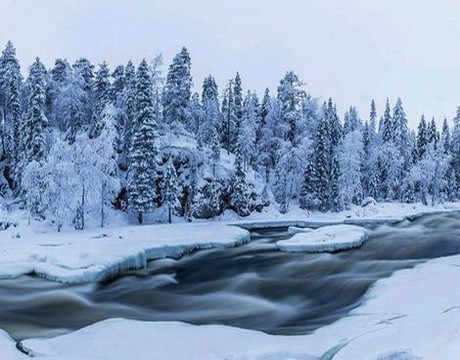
(76, 141)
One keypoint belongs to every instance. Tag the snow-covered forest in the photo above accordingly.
(80, 140)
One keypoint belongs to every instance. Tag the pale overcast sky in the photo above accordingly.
(351, 50)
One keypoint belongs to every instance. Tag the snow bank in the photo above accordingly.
(325, 239)
(8, 349)
(76, 257)
(371, 215)
(166, 340)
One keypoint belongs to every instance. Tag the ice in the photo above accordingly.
(94, 255)
(325, 239)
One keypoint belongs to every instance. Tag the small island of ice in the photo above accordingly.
(325, 239)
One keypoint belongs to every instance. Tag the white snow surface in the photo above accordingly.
(84, 256)
(414, 314)
(325, 239)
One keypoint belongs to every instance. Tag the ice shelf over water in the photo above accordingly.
(325, 239)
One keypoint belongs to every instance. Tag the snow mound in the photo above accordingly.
(119, 339)
(325, 239)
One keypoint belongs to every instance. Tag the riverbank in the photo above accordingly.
(411, 315)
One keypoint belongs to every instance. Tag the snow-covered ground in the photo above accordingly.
(413, 314)
(92, 255)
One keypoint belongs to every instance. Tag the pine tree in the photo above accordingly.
(422, 138)
(170, 189)
(211, 122)
(290, 95)
(247, 135)
(240, 197)
(308, 198)
(86, 70)
(36, 122)
(387, 128)
(238, 104)
(129, 96)
(177, 91)
(432, 133)
(401, 130)
(142, 166)
(352, 122)
(336, 204)
(229, 119)
(322, 165)
(445, 137)
(10, 105)
(101, 98)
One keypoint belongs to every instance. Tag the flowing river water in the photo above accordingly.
(254, 286)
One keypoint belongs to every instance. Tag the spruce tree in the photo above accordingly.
(240, 197)
(387, 124)
(129, 96)
(36, 123)
(445, 137)
(322, 165)
(177, 91)
(10, 105)
(308, 198)
(170, 189)
(142, 166)
(101, 95)
(422, 138)
(290, 95)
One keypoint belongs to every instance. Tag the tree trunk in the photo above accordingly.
(140, 217)
(169, 214)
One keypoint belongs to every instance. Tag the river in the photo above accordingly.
(254, 286)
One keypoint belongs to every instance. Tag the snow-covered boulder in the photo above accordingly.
(369, 201)
(325, 239)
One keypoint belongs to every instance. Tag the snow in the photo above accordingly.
(325, 239)
(166, 340)
(292, 230)
(412, 315)
(8, 349)
(93, 255)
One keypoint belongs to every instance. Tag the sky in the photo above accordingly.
(352, 50)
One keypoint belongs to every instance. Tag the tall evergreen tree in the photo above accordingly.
(291, 95)
(36, 122)
(240, 196)
(177, 92)
(308, 198)
(142, 192)
(170, 189)
(10, 105)
(422, 138)
(101, 98)
(322, 164)
(387, 127)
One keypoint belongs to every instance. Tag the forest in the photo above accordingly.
(80, 141)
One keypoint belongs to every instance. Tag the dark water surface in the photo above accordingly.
(254, 286)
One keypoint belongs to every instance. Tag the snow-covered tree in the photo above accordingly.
(142, 166)
(350, 156)
(177, 91)
(240, 197)
(170, 189)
